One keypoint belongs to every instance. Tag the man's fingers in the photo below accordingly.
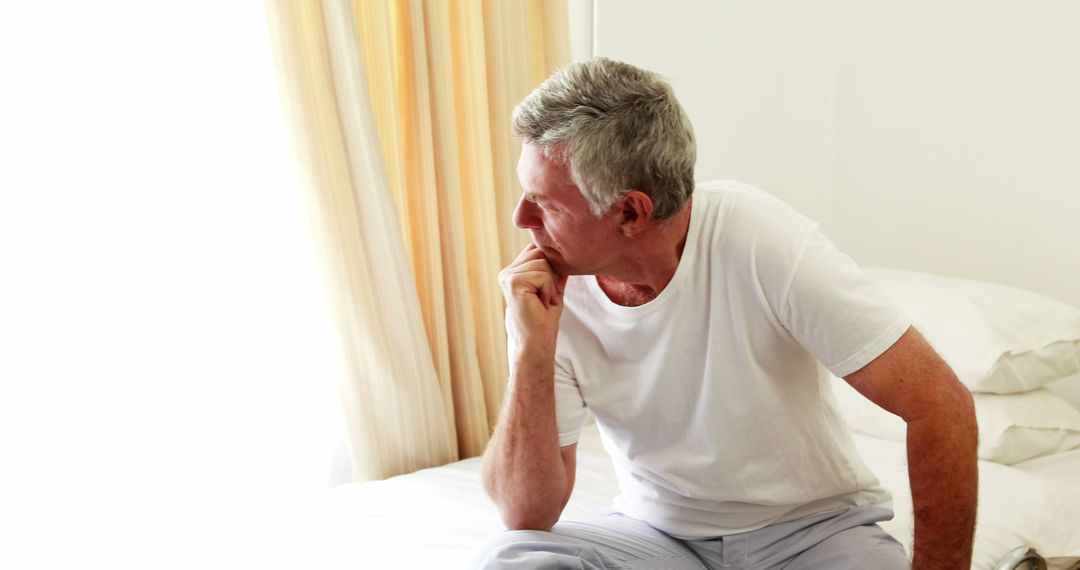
(531, 273)
(540, 264)
(530, 252)
(537, 282)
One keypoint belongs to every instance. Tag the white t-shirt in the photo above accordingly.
(711, 398)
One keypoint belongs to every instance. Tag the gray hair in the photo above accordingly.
(617, 128)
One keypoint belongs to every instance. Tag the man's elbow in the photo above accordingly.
(960, 405)
(952, 411)
(527, 519)
(966, 402)
(517, 514)
(488, 477)
(969, 424)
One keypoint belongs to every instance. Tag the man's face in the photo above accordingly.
(557, 216)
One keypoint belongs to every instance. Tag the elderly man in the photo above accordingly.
(699, 326)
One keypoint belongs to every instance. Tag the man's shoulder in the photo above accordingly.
(743, 198)
(720, 185)
(744, 215)
(720, 195)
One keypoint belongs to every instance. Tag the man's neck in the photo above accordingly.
(648, 269)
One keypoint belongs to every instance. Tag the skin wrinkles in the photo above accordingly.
(633, 255)
(557, 216)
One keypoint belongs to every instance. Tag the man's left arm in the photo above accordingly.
(912, 381)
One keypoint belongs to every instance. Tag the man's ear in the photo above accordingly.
(635, 212)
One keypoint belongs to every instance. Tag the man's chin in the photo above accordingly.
(563, 269)
(560, 266)
(557, 262)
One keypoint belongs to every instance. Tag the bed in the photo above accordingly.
(1017, 351)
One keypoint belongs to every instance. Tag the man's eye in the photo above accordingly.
(539, 203)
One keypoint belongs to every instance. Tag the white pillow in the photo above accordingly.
(1015, 507)
(1016, 427)
(1068, 388)
(997, 339)
(1012, 428)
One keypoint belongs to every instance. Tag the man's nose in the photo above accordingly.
(525, 215)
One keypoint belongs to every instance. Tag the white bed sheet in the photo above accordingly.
(435, 517)
(1016, 506)
(1063, 467)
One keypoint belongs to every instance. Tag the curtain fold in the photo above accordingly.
(401, 120)
(508, 64)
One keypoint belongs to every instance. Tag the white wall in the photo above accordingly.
(941, 137)
(958, 139)
(727, 61)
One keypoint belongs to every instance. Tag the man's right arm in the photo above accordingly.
(526, 473)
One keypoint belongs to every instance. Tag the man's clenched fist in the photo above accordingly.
(533, 293)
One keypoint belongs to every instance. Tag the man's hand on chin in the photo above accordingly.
(534, 294)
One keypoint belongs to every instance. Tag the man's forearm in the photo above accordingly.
(943, 471)
(523, 469)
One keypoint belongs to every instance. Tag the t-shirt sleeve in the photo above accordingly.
(570, 410)
(835, 311)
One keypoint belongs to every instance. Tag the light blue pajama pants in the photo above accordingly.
(844, 539)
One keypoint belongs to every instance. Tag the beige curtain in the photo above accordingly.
(400, 113)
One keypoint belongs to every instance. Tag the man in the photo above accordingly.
(700, 327)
